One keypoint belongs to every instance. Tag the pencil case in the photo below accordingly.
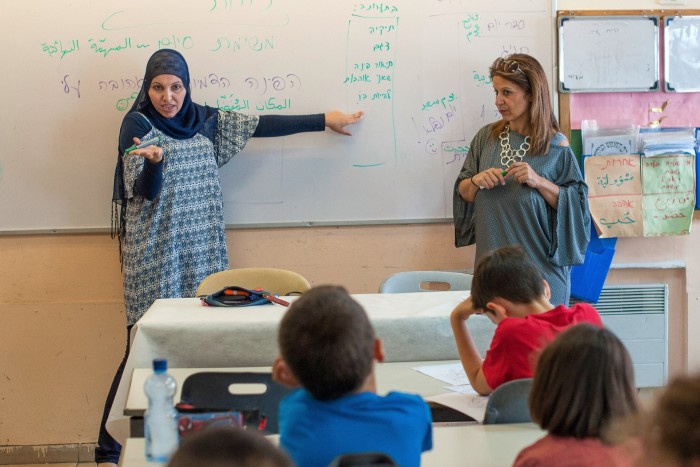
(237, 296)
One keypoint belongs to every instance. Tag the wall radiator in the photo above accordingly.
(638, 315)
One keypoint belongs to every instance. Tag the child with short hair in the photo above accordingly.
(509, 289)
(328, 347)
(226, 446)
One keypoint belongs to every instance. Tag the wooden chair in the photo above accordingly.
(508, 403)
(425, 281)
(275, 281)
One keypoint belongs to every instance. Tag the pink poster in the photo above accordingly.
(646, 109)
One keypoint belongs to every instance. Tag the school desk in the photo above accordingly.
(456, 445)
(398, 376)
(414, 327)
(390, 376)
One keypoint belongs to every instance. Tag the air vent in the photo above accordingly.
(631, 298)
(637, 314)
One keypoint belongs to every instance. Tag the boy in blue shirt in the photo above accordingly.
(328, 347)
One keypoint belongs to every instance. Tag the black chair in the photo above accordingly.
(508, 403)
(363, 459)
(256, 395)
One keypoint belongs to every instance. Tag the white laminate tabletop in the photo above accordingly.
(392, 376)
(453, 446)
(413, 327)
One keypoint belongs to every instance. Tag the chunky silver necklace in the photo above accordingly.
(508, 156)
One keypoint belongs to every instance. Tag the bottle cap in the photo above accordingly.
(160, 365)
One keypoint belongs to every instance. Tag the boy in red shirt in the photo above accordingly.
(509, 289)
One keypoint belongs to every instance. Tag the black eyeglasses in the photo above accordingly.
(510, 66)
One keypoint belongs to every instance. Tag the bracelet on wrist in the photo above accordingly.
(474, 183)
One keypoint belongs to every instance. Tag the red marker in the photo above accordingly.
(270, 297)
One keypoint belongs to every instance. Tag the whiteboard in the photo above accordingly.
(418, 69)
(682, 53)
(608, 53)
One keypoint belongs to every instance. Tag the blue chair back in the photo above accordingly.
(508, 403)
(425, 281)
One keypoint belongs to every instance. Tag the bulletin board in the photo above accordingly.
(656, 206)
(669, 109)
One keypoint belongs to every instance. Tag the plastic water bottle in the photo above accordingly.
(160, 422)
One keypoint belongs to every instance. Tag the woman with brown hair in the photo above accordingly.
(583, 381)
(521, 182)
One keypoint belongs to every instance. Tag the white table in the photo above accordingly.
(390, 377)
(479, 445)
(413, 327)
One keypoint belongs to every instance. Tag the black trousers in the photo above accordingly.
(108, 449)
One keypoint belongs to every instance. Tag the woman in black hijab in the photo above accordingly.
(169, 213)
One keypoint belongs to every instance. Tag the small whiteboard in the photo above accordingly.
(603, 53)
(682, 53)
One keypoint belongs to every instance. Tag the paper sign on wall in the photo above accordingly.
(631, 195)
(669, 194)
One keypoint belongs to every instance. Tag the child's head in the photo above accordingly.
(327, 342)
(506, 272)
(583, 380)
(671, 430)
(228, 447)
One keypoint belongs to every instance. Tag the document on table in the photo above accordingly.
(463, 397)
(451, 373)
(472, 404)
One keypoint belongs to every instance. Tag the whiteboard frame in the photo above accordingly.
(562, 60)
(667, 54)
(262, 225)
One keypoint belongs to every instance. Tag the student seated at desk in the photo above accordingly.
(510, 290)
(224, 446)
(669, 433)
(584, 380)
(328, 347)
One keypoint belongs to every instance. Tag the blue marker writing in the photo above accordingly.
(148, 142)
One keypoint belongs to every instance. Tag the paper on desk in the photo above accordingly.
(450, 373)
(462, 389)
(471, 404)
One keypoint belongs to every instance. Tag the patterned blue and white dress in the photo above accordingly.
(178, 238)
(555, 239)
